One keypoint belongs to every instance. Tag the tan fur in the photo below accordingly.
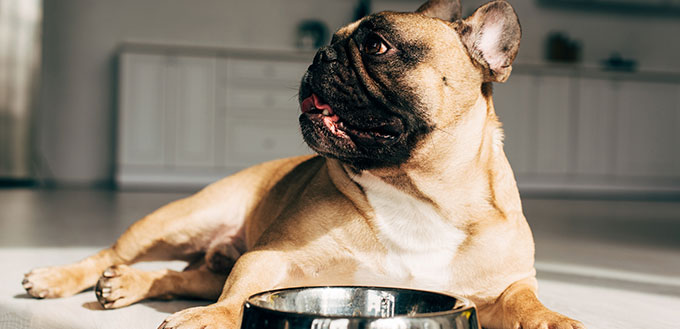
(307, 220)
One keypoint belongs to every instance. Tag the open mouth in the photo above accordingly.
(322, 113)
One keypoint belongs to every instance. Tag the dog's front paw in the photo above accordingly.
(207, 317)
(122, 285)
(53, 282)
(547, 319)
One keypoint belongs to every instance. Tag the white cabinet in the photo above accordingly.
(191, 119)
(598, 131)
(538, 123)
(167, 117)
(252, 142)
(516, 109)
(142, 115)
(262, 111)
(553, 109)
(192, 112)
(596, 138)
(647, 129)
(281, 73)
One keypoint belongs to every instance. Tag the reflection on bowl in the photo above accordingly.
(357, 308)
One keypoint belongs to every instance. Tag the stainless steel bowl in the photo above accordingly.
(357, 308)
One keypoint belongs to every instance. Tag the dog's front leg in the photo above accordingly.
(254, 272)
(518, 307)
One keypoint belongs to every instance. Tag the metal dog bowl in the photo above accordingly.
(357, 308)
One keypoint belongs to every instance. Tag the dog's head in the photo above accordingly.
(388, 80)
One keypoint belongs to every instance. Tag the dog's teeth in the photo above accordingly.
(326, 112)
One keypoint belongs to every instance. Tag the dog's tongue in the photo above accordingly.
(330, 119)
(313, 102)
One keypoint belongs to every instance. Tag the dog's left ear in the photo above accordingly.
(448, 10)
(492, 36)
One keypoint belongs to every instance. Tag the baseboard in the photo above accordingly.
(17, 182)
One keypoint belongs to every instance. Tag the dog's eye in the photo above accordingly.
(375, 45)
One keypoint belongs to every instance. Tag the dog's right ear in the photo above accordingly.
(448, 10)
(491, 35)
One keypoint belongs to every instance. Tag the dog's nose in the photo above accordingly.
(326, 54)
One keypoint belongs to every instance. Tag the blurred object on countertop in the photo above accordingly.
(362, 9)
(617, 63)
(311, 34)
(559, 48)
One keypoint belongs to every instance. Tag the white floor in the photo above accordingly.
(610, 264)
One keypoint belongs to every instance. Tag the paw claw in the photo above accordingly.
(109, 273)
(162, 326)
(121, 286)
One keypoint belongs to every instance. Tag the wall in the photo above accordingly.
(76, 134)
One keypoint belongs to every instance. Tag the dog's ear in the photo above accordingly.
(491, 35)
(448, 10)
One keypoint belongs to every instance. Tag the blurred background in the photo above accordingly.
(109, 109)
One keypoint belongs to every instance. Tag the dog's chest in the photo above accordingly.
(420, 243)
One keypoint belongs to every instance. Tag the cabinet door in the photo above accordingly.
(142, 115)
(254, 141)
(647, 129)
(515, 106)
(272, 102)
(553, 112)
(596, 143)
(193, 106)
(279, 73)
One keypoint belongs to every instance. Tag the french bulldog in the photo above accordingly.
(410, 187)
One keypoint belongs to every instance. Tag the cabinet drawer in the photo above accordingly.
(251, 142)
(266, 71)
(263, 103)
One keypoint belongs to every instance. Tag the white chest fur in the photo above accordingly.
(420, 243)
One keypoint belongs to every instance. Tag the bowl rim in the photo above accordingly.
(467, 304)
